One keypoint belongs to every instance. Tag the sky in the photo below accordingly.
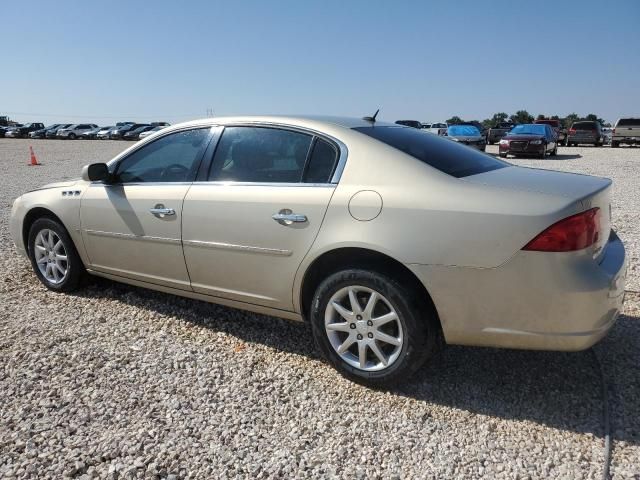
(79, 61)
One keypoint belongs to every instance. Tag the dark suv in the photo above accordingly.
(557, 127)
(585, 132)
(26, 129)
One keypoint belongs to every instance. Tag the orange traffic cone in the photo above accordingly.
(34, 160)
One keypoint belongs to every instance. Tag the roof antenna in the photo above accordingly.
(372, 119)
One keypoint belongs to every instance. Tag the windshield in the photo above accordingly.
(463, 131)
(528, 130)
(442, 154)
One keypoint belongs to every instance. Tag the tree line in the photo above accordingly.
(522, 116)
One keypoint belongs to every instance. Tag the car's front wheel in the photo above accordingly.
(371, 328)
(53, 256)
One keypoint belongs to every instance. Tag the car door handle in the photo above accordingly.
(161, 212)
(287, 217)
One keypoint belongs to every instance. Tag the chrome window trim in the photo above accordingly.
(343, 151)
(218, 183)
(153, 138)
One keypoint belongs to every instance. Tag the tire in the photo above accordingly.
(72, 136)
(544, 151)
(614, 144)
(502, 155)
(68, 280)
(554, 152)
(415, 327)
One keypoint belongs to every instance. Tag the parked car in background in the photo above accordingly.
(529, 139)
(23, 131)
(151, 131)
(75, 130)
(467, 135)
(118, 132)
(514, 257)
(437, 128)
(494, 134)
(135, 133)
(41, 133)
(481, 128)
(585, 131)
(410, 123)
(52, 132)
(160, 124)
(6, 128)
(103, 132)
(627, 131)
(558, 128)
(90, 134)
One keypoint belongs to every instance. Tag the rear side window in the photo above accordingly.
(322, 162)
(445, 155)
(628, 122)
(260, 154)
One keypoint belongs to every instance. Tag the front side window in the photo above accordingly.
(172, 158)
(260, 154)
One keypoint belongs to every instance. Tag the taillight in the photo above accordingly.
(572, 131)
(573, 233)
(613, 131)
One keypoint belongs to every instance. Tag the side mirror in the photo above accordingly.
(95, 172)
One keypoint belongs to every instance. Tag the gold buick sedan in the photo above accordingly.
(390, 241)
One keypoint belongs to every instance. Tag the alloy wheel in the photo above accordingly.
(51, 256)
(363, 328)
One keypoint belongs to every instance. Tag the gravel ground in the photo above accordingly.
(122, 382)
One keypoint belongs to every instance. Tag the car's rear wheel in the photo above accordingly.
(614, 144)
(554, 152)
(544, 150)
(503, 155)
(72, 136)
(53, 256)
(372, 329)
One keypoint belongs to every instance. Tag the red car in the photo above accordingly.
(527, 140)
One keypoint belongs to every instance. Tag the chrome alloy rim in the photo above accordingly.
(363, 328)
(51, 256)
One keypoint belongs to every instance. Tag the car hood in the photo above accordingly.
(523, 137)
(550, 182)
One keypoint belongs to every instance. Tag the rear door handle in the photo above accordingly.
(287, 217)
(161, 212)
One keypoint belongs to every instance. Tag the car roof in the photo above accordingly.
(308, 121)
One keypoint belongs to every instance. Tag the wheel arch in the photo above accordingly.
(31, 216)
(341, 258)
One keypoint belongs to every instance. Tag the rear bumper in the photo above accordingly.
(584, 139)
(535, 301)
(626, 140)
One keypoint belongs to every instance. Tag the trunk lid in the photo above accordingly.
(581, 192)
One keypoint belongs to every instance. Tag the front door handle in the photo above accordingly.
(160, 211)
(287, 217)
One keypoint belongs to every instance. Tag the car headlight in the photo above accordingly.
(504, 142)
(535, 142)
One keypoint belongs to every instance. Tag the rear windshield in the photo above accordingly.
(585, 126)
(445, 155)
(629, 122)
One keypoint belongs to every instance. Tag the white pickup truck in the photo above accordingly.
(435, 128)
(626, 130)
